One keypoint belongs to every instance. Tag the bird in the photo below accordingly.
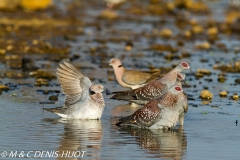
(84, 100)
(161, 113)
(153, 89)
(131, 78)
(180, 79)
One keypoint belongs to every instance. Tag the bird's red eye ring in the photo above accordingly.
(113, 61)
(178, 88)
(184, 64)
(179, 76)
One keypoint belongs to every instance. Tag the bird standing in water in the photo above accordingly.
(84, 100)
(131, 78)
(153, 89)
(160, 113)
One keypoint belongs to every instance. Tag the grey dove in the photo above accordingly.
(153, 89)
(131, 78)
(83, 100)
(161, 113)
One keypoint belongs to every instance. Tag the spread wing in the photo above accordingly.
(144, 117)
(73, 83)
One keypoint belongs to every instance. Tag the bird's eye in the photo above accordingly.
(120, 66)
(91, 92)
(113, 61)
(184, 64)
(178, 88)
(179, 76)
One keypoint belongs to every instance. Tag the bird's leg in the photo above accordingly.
(181, 119)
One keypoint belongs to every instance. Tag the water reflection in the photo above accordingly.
(81, 135)
(161, 143)
(123, 110)
(158, 143)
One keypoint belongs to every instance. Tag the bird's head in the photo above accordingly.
(181, 77)
(96, 88)
(176, 89)
(115, 63)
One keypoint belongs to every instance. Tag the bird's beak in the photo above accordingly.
(110, 64)
(191, 70)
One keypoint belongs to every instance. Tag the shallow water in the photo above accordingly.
(209, 131)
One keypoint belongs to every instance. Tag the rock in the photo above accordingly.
(202, 46)
(41, 81)
(35, 4)
(221, 78)
(54, 98)
(3, 87)
(212, 31)
(205, 94)
(9, 4)
(235, 96)
(166, 33)
(223, 94)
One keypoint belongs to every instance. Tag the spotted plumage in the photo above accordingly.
(153, 89)
(160, 113)
(83, 99)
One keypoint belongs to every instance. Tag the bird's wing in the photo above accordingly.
(144, 117)
(133, 77)
(185, 106)
(150, 91)
(73, 83)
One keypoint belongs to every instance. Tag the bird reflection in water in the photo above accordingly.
(81, 135)
(160, 143)
(169, 144)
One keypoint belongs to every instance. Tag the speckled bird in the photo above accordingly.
(153, 89)
(131, 78)
(83, 100)
(162, 113)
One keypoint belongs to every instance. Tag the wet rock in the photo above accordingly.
(223, 94)
(231, 68)
(199, 75)
(237, 80)
(171, 56)
(186, 54)
(3, 87)
(221, 78)
(35, 4)
(128, 45)
(108, 14)
(41, 82)
(53, 98)
(212, 31)
(203, 46)
(204, 72)
(235, 96)
(9, 5)
(205, 94)
(163, 47)
(43, 74)
(196, 29)
(166, 33)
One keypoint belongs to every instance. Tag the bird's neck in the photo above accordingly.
(98, 98)
(119, 74)
(177, 69)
